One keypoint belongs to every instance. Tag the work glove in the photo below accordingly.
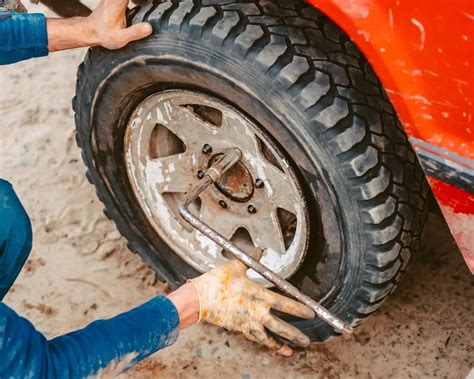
(228, 298)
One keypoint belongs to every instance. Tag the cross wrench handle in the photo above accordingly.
(214, 173)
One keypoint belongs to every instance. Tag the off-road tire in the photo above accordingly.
(297, 74)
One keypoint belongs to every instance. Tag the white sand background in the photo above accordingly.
(80, 269)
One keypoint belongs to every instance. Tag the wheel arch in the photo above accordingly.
(412, 54)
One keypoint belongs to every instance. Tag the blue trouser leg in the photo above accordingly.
(15, 237)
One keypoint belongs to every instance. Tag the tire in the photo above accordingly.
(292, 70)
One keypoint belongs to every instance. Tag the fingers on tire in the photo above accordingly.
(292, 307)
(257, 333)
(286, 330)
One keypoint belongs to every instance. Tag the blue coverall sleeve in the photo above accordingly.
(26, 353)
(22, 36)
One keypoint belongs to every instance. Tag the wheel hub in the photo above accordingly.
(172, 138)
(237, 183)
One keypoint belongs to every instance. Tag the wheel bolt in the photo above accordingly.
(259, 183)
(223, 204)
(200, 174)
(207, 149)
(251, 208)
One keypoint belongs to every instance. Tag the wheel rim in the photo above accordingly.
(171, 138)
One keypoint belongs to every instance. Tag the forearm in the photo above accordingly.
(24, 36)
(28, 36)
(137, 333)
(71, 33)
(186, 301)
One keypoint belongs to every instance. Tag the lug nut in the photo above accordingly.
(207, 149)
(200, 174)
(259, 183)
(223, 204)
(251, 208)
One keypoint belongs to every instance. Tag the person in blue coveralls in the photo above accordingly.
(223, 296)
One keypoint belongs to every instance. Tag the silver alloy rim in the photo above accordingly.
(174, 135)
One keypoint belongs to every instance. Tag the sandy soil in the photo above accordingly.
(80, 269)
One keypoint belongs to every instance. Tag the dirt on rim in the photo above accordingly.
(80, 269)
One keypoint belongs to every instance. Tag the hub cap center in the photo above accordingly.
(236, 183)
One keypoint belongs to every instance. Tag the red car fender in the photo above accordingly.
(423, 53)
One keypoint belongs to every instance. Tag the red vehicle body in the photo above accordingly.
(423, 53)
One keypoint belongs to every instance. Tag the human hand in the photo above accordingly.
(228, 298)
(108, 25)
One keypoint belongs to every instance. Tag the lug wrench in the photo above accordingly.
(220, 166)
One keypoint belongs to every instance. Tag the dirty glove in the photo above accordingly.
(228, 298)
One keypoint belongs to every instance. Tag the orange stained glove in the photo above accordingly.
(228, 298)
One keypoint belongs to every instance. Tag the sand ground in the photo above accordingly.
(80, 269)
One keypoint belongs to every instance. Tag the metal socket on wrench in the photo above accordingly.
(219, 167)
